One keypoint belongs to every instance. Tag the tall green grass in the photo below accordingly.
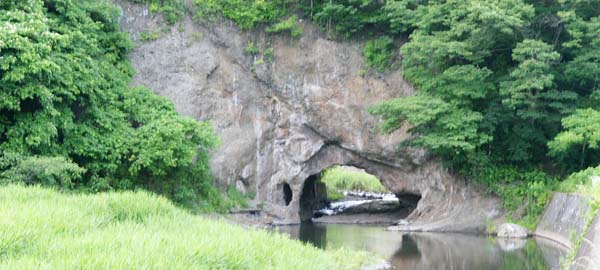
(581, 183)
(44, 229)
(339, 179)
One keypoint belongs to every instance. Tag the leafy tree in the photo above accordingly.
(65, 97)
(532, 95)
(530, 80)
(437, 125)
(246, 14)
(347, 17)
(582, 129)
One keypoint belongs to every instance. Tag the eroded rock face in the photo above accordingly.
(284, 120)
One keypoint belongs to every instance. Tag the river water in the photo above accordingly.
(428, 251)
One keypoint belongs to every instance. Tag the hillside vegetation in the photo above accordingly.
(44, 229)
(68, 117)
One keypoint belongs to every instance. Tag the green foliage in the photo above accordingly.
(437, 125)
(49, 171)
(494, 78)
(268, 54)
(288, 25)
(172, 10)
(339, 179)
(524, 193)
(41, 228)
(236, 198)
(530, 92)
(582, 129)
(246, 14)
(148, 35)
(64, 92)
(251, 48)
(379, 53)
(581, 182)
(346, 17)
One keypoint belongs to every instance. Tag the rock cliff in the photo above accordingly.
(292, 110)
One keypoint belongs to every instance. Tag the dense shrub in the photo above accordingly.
(64, 92)
(172, 10)
(246, 14)
(347, 17)
(379, 52)
(524, 193)
(49, 171)
(288, 25)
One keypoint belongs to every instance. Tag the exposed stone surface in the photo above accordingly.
(375, 206)
(372, 212)
(510, 230)
(282, 121)
(588, 255)
(565, 217)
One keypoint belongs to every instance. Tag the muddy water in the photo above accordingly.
(426, 251)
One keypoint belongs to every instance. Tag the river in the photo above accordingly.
(431, 251)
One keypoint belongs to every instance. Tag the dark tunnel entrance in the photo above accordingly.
(287, 193)
(314, 196)
(344, 194)
(408, 200)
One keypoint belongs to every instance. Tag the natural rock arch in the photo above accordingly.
(285, 120)
(313, 196)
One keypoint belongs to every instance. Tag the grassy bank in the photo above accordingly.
(339, 179)
(45, 229)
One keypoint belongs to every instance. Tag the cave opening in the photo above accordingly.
(314, 196)
(287, 194)
(347, 194)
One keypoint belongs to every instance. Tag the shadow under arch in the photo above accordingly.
(313, 195)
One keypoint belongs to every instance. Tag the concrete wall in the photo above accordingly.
(564, 219)
(588, 256)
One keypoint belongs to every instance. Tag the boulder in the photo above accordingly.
(375, 206)
(510, 230)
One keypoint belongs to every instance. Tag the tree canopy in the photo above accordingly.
(64, 93)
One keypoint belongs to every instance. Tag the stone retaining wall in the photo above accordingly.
(564, 219)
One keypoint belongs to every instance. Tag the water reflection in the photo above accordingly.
(434, 251)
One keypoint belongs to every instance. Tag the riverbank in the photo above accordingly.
(43, 228)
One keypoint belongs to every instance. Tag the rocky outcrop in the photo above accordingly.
(286, 117)
(564, 219)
